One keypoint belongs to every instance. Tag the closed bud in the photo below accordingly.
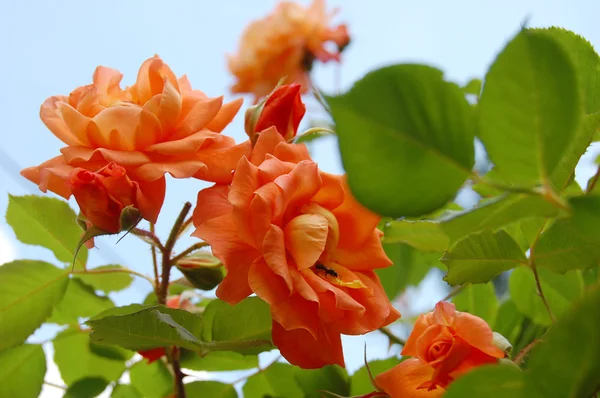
(283, 109)
(202, 270)
(130, 217)
(502, 343)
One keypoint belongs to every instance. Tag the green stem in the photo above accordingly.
(154, 262)
(593, 182)
(193, 248)
(393, 338)
(166, 254)
(185, 226)
(111, 271)
(54, 385)
(541, 293)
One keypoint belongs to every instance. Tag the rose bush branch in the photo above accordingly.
(393, 338)
(189, 250)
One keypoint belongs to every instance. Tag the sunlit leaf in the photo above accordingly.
(328, 378)
(492, 381)
(480, 257)
(47, 222)
(496, 213)
(530, 108)
(125, 391)
(422, 235)
(566, 363)
(22, 370)
(80, 301)
(30, 290)
(210, 389)
(86, 387)
(250, 319)
(218, 361)
(360, 382)
(75, 359)
(109, 281)
(406, 139)
(151, 380)
(277, 381)
(152, 327)
(479, 300)
(559, 290)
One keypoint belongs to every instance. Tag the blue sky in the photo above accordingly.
(51, 47)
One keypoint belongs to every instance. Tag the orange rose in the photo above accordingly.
(446, 343)
(285, 44)
(283, 109)
(297, 238)
(157, 126)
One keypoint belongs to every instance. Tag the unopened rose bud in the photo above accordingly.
(202, 270)
(283, 109)
(130, 217)
(502, 343)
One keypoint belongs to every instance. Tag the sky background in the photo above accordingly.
(51, 47)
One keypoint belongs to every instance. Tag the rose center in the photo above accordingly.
(438, 349)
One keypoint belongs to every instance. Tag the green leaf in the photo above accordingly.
(559, 290)
(88, 387)
(47, 222)
(30, 288)
(328, 378)
(472, 87)
(111, 351)
(562, 248)
(119, 311)
(277, 381)
(586, 62)
(152, 327)
(360, 382)
(409, 268)
(80, 301)
(585, 216)
(508, 321)
(75, 359)
(151, 380)
(314, 134)
(212, 389)
(530, 108)
(250, 319)
(125, 391)
(491, 381)
(218, 361)
(567, 362)
(565, 169)
(107, 282)
(22, 370)
(423, 235)
(497, 213)
(480, 257)
(479, 300)
(406, 139)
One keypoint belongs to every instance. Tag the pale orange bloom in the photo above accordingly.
(285, 44)
(297, 238)
(159, 125)
(446, 344)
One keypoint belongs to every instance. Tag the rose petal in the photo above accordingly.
(267, 285)
(225, 115)
(198, 113)
(53, 120)
(300, 348)
(402, 380)
(51, 175)
(305, 238)
(274, 253)
(476, 332)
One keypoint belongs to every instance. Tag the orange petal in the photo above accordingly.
(51, 175)
(300, 348)
(150, 198)
(267, 284)
(79, 154)
(151, 79)
(261, 210)
(402, 380)
(300, 185)
(199, 113)
(476, 332)
(275, 255)
(378, 311)
(444, 313)
(225, 115)
(295, 312)
(458, 353)
(75, 121)
(331, 194)
(265, 144)
(192, 143)
(169, 107)
(305, 238)
(220, 163)
(356, 222)
(52, 119)
(177, 168)
(424, 321)
(245, 182)
(370, 255)
(126, 128)
(214, 224)
(107, 80)
(293, 153)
